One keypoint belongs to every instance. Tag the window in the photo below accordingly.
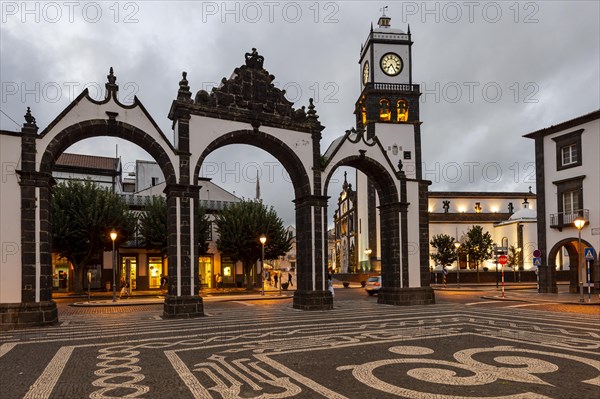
(402, 111)
(569, 154)
(569, 199)
(154, 181)
(363, 115)
(568, 150)
(385, 114)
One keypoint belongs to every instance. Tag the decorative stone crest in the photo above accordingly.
(184, 93)
(250, 95)
(254, 60)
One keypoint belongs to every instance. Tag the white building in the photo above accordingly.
(568, 187)
(509, 217)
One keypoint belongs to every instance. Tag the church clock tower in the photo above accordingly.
(388, 94)
(388, 109)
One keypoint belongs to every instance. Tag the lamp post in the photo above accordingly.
(113, 237)
(457, 245)
(579, 223)
(368, 253)
(263, 240)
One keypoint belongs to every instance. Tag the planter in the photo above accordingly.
(346, 284)
(363, 284)
(284, 286)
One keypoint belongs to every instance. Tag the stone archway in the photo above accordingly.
(393, 208)
(576, 275)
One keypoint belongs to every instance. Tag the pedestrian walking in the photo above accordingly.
(219, 280)
(124, 287)
(275, 278)
(290, 279)
(330, 283)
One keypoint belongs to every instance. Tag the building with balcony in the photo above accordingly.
(568, 187)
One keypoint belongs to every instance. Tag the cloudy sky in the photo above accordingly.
(490, 72)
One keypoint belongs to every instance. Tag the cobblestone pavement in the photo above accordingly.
(269, 350)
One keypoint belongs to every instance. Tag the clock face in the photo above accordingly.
(366, 73)
(391, 64)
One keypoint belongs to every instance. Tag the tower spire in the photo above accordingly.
(257, 186)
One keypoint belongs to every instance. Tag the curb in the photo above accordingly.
(540, 301)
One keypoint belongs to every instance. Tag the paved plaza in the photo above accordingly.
(266, 349)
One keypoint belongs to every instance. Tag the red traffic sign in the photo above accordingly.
(503, 259)
(537, 253)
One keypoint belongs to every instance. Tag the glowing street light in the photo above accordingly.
(579, 223)
(457, 245)
(113, 237)
(263, 240)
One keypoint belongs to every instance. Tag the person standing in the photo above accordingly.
(275, 278)
(219, 280)
(330, 282)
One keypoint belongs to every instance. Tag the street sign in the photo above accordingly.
(503, 259)
(588, 253)
(537, 253)
(537, 262)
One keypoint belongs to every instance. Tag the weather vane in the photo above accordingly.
(383, 10)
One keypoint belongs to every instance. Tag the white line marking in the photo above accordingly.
(532, 304)
(5, 348)
(244, 303)
(43, 386)
(480, 303)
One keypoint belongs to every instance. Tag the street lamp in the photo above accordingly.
(263, 240)
(579, 223)
(457, 245)
(113, 237)
(368, 253)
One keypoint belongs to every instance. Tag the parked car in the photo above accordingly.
(373, 285)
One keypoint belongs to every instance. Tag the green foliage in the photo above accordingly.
(83, 214)
(153, 226)
(446, 252)
(240, 226)
(513, 256)
(479, 245)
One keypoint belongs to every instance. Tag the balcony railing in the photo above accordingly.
(565, 219)
(394, 87)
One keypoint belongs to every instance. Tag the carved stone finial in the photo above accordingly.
(254, 60)
(312, 113)
(400, 166)
(345, 185)
(184, 93)
(111, 84)
(530, 192)
(29, 119)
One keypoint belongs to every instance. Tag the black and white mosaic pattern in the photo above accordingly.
(358, 350)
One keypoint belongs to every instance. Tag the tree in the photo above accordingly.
(153, 226)
(83, 214)
(479, 246)
(240, 226)
(446, 252)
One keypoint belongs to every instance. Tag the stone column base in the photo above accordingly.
(313, 300)
(406, 296)
(27, 314)
(183, 307)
